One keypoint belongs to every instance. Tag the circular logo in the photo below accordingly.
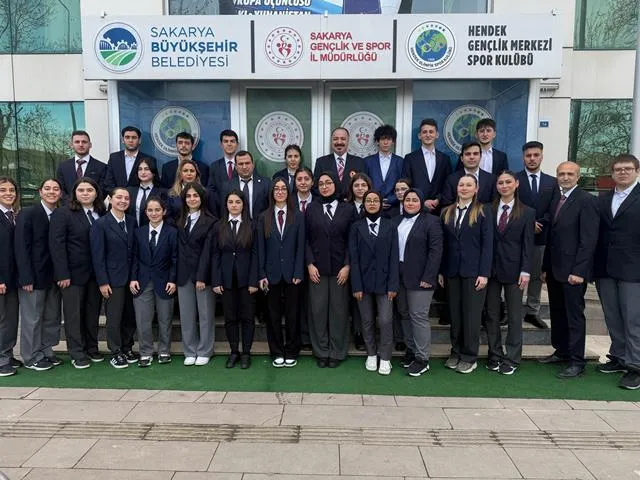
(460, 125)
(118, 47)
(361, 126)
(431, 46)
(169, 122)
(283, 47)
(275, 131)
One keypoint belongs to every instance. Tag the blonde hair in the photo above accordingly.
(176, 189)
(475, 210)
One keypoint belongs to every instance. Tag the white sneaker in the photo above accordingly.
(202, 361)
(278, 362)
(188, 361)
(385, 367)
(372, 363)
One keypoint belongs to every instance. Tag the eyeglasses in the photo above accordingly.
(623, 169)
(280, 189)
(328, 183)
(372, 201)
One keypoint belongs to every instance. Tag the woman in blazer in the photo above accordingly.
(40, 300)
(328, 222)
(420, 252)
(112, 252)
(466, 268)
(280, 236)
(513, 244)
(153, 281)
(9, 207)
(235, 275)
(149, 186)
(195, 298)
(188, 172)
(373, 250)
(73, 270)
(304, 185)
(293, 159)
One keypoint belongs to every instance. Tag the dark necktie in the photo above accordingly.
(152, 242)
(90, 217)
(281, 220)
(245, 190)
(373, 226)
(502, 222)
(143, 220)
(534, 186)
(234, 227)
(79, 168)
(303, 206)
(11, 217)
(187, 227)
(123, 226)
(360, 208)
(563, 199)
(229, 170)
(329, 213)
(460, 217)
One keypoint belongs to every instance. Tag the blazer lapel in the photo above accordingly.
(369, 239)
(567, 203)
(113, 224)
(162, 238)
(630, 200)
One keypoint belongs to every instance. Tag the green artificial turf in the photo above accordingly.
(532, 380)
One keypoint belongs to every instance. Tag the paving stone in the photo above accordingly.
(276, 458)
(212, 397)
(84, 474)
(206, 413)
(264, 397)
(77, 394)
(60, 453)
(16, 392)
(380, 460)
(570, 421)
(611, 464)
(136, 395)
(206, 476)
(489, 419)
(272, 476)
(602, 405)
(177, 396)
(16, 473)
(379, 401)
(78, 411)
(447, 402)
(15, 451)
(145, 454)
(548, 463)
(621, 420)
(534, 404)
(477, 462)
(12, 410)
(331, 399)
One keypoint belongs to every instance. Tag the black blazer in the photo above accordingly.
(422, 252)
(352, 165)
(486, 192)
(112, 250)
(573, 236)
(548, 193)
(513, 249)
(70, 246)
(231, 257)
(8, 270)
(374, 259)
(32, 248)
(499, 164)
(327, 245)
(469, 252)
(133, 197)
(284, 174)
(116, 175)
(218, 175)
(260, 199)
(618, 254)
(194, 251)
(159, 266)
(281, 258)
(297, 203)
(415, 169)
(66, 174)
(169, 169)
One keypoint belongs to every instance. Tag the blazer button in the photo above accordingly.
(234, 254)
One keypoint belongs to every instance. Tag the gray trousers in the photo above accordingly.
(197, 314)
(513, 343)
(329, 318)
(535, 283)
(621, 307)
(8, 326)
(41, 314)
(145, 305)
(413, 307)
(385, 323)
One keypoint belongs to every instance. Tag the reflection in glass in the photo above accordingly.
(606, 24)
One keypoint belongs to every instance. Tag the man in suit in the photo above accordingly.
(81, 165)
(122, 167)
(254, 187)
(385, 168)
(223, 170)
(537, 190)
(470, 157)
(341, 164)
(185, 143)
(617, 270)
(492, 160)
(567, 267)
(428, 168)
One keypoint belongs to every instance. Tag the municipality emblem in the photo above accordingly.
(283, 47)
(431, 46)
(118, 47)
(460, 125)
(169, 122)
(274, 132)
(361, 126)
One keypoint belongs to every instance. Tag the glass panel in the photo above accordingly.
(600, 130)
(8, 147)
(194, 7)
(606, 24)
(443, 6)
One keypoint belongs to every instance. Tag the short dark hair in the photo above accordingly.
(301, 169)
(186, 135)
(228, 133)
(532, 144)
(242, 153)
(428, 121)
(385, 131)
(404, 180)
(625, 158)
(49, 179)
(131, 128)
(340, 128)
(80, 132)
(467, 145)
(486, 122)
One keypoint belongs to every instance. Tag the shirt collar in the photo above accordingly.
(238, 218)
(343, 156)
(227, 160)
(5, 210)
(475, 174)
(487, 151)
(569, 192)
(129, 155)
(46, 209)
(116, 218)
(529, 173)
(157, 229)
(385, 157)
(376, 221)
(248, 180)
(308, 199)
(150, 185)
(284, 209)
(627, 190)
(510, 204)
(85, 158)
(426, 151)
(463, 205)
(195, 215)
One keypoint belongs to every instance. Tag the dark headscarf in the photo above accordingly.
(420, 195)
(332, 197)
(372, 216)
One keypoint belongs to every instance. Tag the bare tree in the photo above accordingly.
(21, 19)
(613, 25)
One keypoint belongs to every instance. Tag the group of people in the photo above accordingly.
(356, 244)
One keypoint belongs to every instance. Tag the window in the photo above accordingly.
(599, 130)
(606, 24)
(443, 6)
(40, 26)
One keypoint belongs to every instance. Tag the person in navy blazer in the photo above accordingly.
(70, 247)
(153, 281)
(40, 300)
(568, 266)
(470, 157)
(430, 180)
(329, 163)
(512, 252)
(281, 249)
(466, 268)
(304, 185)
(255, 187)
(148, 186)
(185, 144)
(493, 160)
(293, 159)
(223, 169)
(67, 172)
(9, 207)
(112, 252)
(373, 250)
(392, 164)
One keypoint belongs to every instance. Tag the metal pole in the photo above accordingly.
(635, 123)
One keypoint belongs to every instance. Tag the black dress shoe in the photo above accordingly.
(358, 341)
(322, 362)
(553, 358)
(333, 363)
(572, 371)
(232, 360)
(245, 361)
(15, 363)
(444, 320)
(400, 346)
(306, 347)
(535, 321)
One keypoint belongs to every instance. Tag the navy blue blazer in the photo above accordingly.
(260, 199)
(513, 248)
(353, 164)
(159, 266)
(617, 254)
(133, 197)
(194, 251)
(374, 259)
(469, 252)
(32, 248)
(499, 164)
(8, 270)
(281, 257)
(422, 252)
(486, 191)
(66, 174)
(384, 186)
(169, 169)
(112, 250)
(116, 175)
(284, 174)
(230, 257)
(573, 236)
(548, 193)
(415, 168)
(218, 175)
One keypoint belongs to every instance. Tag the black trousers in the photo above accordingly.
(81, 308)
(239, 311)
(283, 300)
(513, 300)
(121, 320)
(465, 309)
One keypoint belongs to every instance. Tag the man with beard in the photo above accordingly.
(342, 164)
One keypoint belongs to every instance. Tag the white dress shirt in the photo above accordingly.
(129, 161)
(141, 192)
(93, 213)
(530, 178)
(86, 159)
(377, 225)
(385, 163)
(486, 160)
(284, 217)
(157, 229)
(430, 161)
(620, 196)
(404, 229)
(250, 199)
(47, 210)
(194, 218)
(500, 210)
(334, 206)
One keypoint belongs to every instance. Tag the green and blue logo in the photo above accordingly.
(431, 46)
(118, 47)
